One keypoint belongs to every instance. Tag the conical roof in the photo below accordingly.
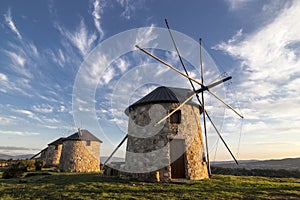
(164, 94)
(58, 141)
(83, 135)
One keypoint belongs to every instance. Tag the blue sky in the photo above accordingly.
(44, 44)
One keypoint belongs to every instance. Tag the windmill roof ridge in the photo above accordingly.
(58, 141)
(164, 94)
(85, 135)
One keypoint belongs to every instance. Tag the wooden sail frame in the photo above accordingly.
(196, 93)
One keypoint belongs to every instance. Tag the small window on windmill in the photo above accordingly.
(88, 143)
(175, 118)
(56, 147)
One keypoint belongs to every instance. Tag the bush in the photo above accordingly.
(39, 165)
(14, 171)
(17, 169)
(28, 164)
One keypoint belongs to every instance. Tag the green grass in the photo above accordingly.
(93, 186)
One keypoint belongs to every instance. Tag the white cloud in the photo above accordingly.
(61, 55)
(237, 4)
(145, 36)
(62, 109)
(269, 77)
(108, 76)
(20, 86)
(57, 58)
(3, 77)
(129, 7)
(236, 37)
(50, 120)
(6, 120)
(24, 56)
(29, 114)
(81, 38)
(265, 53)
(16, 58)
(43, 108)
(97, 16)
(11, 24)
(26, 112)
(96, 68)
(19, 133)
(32, 50)
(122, 64)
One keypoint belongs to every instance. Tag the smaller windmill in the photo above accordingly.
(174, 100)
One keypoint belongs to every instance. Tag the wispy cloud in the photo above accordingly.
(24, 57)
(269, 74)
(265, 53)
(16, 148)
(129, 7)
(16, 59)
(145, 36)
(97, 11)
(3, 77)
(122, 64)
(62, 109)
(237, 4)
(57, 57)
(29, 114)
(19, 133)
(11, 24)
(108, 75)
(20, 86)
(43, 108)
(81, 38)
(26, 112)
(7, 120)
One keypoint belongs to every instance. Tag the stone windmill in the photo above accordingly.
(80, 153)
(164, 140)
(171, 151)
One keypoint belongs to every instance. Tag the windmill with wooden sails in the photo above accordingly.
(164, 139)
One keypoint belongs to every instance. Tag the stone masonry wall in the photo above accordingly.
(148, 158)
(94, 149)
(190, 130)
(76, 157)
(53, 155)
(43, 156)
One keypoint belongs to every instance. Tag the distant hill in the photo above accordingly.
(5, 156)
(113, 159)
(287, 164)
(17, 157)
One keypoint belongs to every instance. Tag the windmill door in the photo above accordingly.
(177, 157)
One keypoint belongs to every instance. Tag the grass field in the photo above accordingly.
(94, 186)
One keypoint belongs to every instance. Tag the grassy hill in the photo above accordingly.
(94, 186)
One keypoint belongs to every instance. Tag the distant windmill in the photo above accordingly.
(154, 97)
